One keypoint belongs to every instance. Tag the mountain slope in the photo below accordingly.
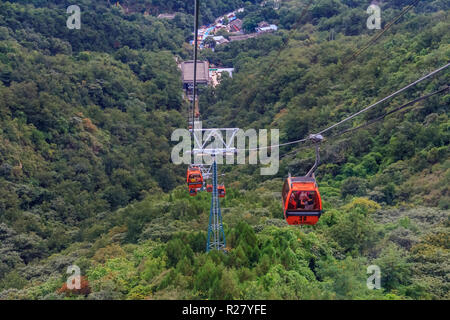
(86, 176)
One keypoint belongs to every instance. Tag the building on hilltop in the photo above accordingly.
(187, 74)
(220, 40)
(235, 25)
(266, 28)
(216, 74)
(244, 37)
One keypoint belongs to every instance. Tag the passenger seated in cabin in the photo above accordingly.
(305, 200)
(301, 200)
(292, 201)
(309, 203)
(195, 178)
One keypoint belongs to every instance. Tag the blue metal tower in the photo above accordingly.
(216, 235)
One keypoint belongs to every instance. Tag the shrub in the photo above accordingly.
(83, 290)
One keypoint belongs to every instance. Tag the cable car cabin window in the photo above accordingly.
(195, 178)
(285, 190)
(304, 201)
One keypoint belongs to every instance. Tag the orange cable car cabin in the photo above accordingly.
(194, 178)
(209, 188)
(221, 191)
(301, 201)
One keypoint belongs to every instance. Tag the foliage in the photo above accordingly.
(86, 178)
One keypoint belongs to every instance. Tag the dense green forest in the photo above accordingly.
(86, 178)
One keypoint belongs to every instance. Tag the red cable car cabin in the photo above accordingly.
(209, 188)
(192, 192)
(221, 191)
(194, 178)
(301, 201)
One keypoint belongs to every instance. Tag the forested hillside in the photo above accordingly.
(86, 177)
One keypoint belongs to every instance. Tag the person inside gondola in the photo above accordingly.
(309, 204)
(293, 201)
(301, 197)
(195, 178)
(305, 201)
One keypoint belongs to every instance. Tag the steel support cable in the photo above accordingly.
(274, 146)
(402, 107)
(355, 53)
(432, 73)
(281, 48)
(196, 19)
(291, 34)
(378, 35)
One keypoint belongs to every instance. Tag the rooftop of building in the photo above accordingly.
(187, 71)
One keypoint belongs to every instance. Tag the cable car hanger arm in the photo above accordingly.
(317, 139)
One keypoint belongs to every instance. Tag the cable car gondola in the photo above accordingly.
(301, 198)
(192, 192)
(301, 201)
(194, 178)
(221, 191)
(209, 188)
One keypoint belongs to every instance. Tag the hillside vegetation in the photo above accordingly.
(86, 177)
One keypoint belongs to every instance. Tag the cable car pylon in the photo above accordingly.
(216, 235)
(211, 143)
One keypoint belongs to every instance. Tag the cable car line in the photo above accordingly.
(291, 33)
(259, 76)
(196, 21)
(402, 107)
(386, 98)
(378, 35)
(432, 73)
(195, 179)
(355, 53)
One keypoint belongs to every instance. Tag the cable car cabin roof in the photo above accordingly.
(303, 183)
(302, 179)
(194, 170)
